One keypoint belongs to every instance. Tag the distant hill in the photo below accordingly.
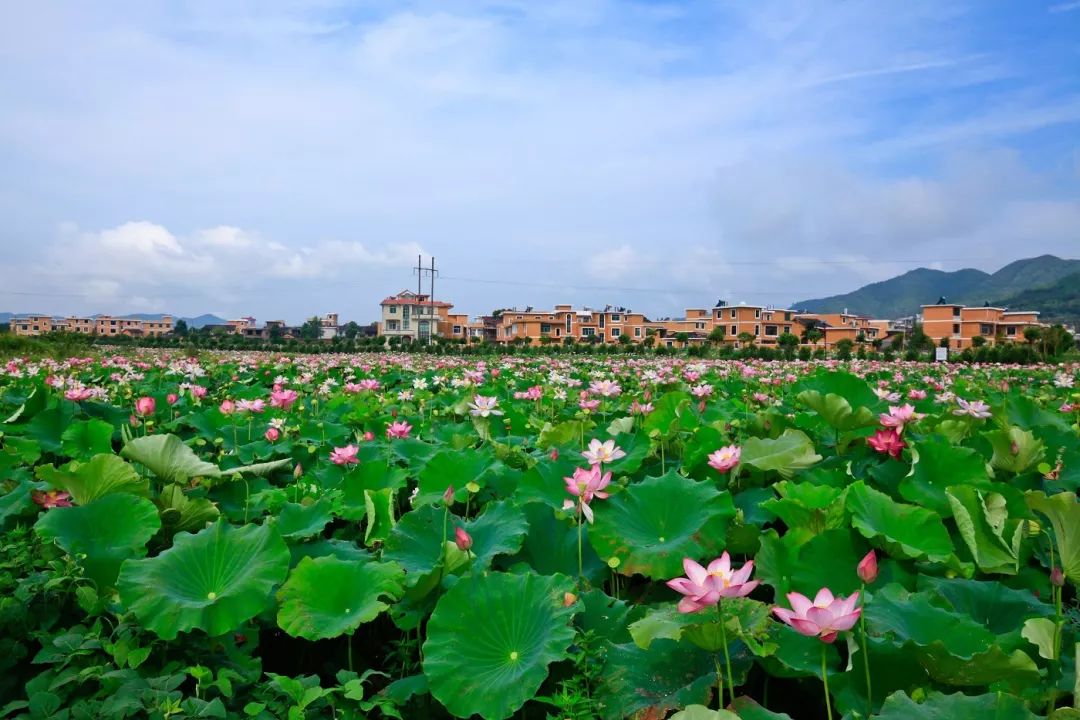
(903, 295)
(1059, 302)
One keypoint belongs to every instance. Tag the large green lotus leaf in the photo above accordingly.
(670, 411)
(993, 538)
(748, 709)
(787, 454)
(998, 608)
(668, 675)
(852, 388)
(182, 513)
(491, 638)
(364, 479)
(500, 530)
(700, 712)
(416, 542)
(544, 481)
(1015, 668)
(451, 468)
(47, 427)
(102, 534)
(893, 668)
(296, 520)
(652, 525)
(999, 706)
(837, 411)
(829, 560)
(168, 458)
(605, 617)
(941, 464)
(327, 597)
(1064, 513)
(1015, 450)
(212, 581)
(86, 438)
(1024, 412)
(560, 434)
(550, 547)
(805, 505)
(796, 655)
(912, 617)
(18, 501)
(101, 475)
(907, 531)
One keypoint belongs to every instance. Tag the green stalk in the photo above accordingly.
(727, 655)
(580, 564)
(866, 655)
(825, 681)
(719, 683)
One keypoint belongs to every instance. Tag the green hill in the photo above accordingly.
(1059, 302)
(903, 295)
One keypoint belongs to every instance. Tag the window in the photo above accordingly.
(615, 317)
(545, 328)
(615, 332)
(558, 332)
(985, 329)
(391, 324)
(734, 330)
(393, 309)
(588, 332)
(768, 316)
(112, 322)
(699, 326)
(569, 320)
(956, 329)
(637, 332)
(732, 313)
(787, 316)
(956, 312)
(771, 330)
(518, 317)
(787, 328)
(757, 330)
(1011, 331)
(669, 343)
(757, 314)
(602, 316)
(457, 329)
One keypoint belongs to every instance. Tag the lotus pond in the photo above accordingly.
(403, 536)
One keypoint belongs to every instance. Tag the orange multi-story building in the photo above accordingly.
(100, 325)
(960, 325)
(609, 325)
(763, 323)
(845, 326)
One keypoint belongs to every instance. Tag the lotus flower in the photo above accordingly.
(867, 568)
(172, 398)
(605, 388)
(462, 539)
(482, 406)
(887, 442)
(345, 455)
(824, 618)
(704, 586)
(976, 409)
(586, 485)
(398, 430)
(50, 499)
(79, 394)
(283, 399)
(272, 434)
(603, 452)
(145, 406)
(227, 407)
(726, 458)
(251, 406)
(897, 417)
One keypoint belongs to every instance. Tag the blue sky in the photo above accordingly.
(284, 159)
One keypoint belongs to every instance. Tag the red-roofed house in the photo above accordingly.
(414, 316)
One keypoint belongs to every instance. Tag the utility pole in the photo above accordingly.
(434, 323)
(421, 273)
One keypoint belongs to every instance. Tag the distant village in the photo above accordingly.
(416, 317)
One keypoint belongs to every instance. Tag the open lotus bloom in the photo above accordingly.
(705, 586)
(824, 617)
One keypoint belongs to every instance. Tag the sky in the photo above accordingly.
(282, 159)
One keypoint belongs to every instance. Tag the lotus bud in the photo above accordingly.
(568, 599)
(272, 434)
(393, 413)
(145, 406)
(448, 496)
(171, 398)
(1057, 577)
(554, 453)
(298, 471)
(462, 539)
(369, 436)
(867, 568)
(1014, 448)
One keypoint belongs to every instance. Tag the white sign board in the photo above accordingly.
(941, 354)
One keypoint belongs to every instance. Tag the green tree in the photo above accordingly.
(978, 341)
(1032, 334)
(351, 330)
(843, 348)
(180, 328)
(746, 338)
(683, 337)
(311, 329)
(717, 335)
(788, 341)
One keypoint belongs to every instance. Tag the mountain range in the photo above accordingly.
(192, 322)
(1046, 283)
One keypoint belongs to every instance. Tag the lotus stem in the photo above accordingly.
(866, 654)
(719, 683)
(348, 644)
(580, 563)
(727, 655)
(825, 682)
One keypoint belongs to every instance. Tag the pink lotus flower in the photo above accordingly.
(704, 586)
(172, 398)
(345, 455)
(398, 430)
(283, 399)
(916, 394)
(702, 391)
(145, 406)
(252, 406)
(198, 391)
(586, 485)
(602, 452)
(227, 407)
(482, 406)
(79, 394)
(462, 539)
(637, 408)
(272, 434)
(726, 458)
(50, 499)
(605, 388)
(588, 405)
(824, 618)
(867, 568)
(897, 417)
(887, 442)
(976, 409)
(368, 436)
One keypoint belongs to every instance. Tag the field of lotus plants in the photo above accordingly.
(405, 536)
